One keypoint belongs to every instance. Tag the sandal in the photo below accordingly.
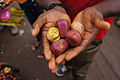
(35, 45)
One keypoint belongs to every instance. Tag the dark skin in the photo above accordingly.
(46, 3)
(91, 18)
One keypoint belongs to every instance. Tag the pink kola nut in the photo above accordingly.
(58, 47)
(63, 26)
(73, 37)
(5, 14)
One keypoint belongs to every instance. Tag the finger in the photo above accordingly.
(78, 17)
(55, 70)
(45, 18)
(46, 45)
(75, 51)
(49, 25)
(71, 53)
(52, 63)
(60, 59)
(101, 24)
(88, 37)
(41, 20)
(68, 18)
(53, 19)
(36, 30)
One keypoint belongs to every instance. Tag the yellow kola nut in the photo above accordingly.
(53, 34)
(7, 70)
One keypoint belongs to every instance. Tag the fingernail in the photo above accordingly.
(108, 25)
(32, 30)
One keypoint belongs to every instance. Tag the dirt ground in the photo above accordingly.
(16, 51)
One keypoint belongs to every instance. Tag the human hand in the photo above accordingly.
(49, 18)
(52, 63)
(92, 20)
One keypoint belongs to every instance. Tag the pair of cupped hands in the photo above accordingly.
(91, 18)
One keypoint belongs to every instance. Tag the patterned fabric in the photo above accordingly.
(32, 11)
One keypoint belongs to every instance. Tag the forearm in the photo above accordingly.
(109, 7)
(46, 3)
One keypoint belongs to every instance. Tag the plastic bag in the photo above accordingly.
(15, 17)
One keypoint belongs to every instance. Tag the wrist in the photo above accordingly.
(58, 7)
(46, 3)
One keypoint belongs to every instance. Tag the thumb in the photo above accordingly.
(41, 20)
(78, 17)
(101, 24)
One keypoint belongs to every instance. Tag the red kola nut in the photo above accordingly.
(63, 26)
(73, 37)
(58, 47)
(78, 26)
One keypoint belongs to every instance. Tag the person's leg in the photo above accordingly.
(32, 11)
(81, 63)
